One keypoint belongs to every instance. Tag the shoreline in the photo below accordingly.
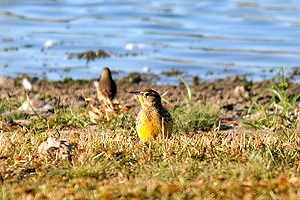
(167, 77)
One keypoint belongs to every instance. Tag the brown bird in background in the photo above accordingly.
(106, 91)
(107, 88)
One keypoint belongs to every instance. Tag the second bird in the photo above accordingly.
(107, 88)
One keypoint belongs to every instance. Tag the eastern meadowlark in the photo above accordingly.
(153, 120)
(107, 88)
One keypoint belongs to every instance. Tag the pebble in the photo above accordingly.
(241, 91)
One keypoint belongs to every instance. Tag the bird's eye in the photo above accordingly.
(146, 94)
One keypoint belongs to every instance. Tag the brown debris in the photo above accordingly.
(56, 148)
(97, 113)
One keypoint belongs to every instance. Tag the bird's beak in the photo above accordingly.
(140, 95)
(135, 92)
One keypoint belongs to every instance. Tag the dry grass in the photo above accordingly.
(117, 165)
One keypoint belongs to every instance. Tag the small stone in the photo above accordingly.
(241, 91)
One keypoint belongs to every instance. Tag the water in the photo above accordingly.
(209, 38)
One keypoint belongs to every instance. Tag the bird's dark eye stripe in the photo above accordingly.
(146, 94)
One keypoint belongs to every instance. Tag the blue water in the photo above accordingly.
(208, 38)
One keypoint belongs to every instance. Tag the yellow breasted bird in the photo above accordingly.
(153, 121)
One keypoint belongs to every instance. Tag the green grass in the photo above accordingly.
(279, 112)
(7, 103)
(61, 119)
(191, 116)
(197, 117)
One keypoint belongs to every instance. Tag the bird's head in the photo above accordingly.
(106, 73)
(148, 98)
